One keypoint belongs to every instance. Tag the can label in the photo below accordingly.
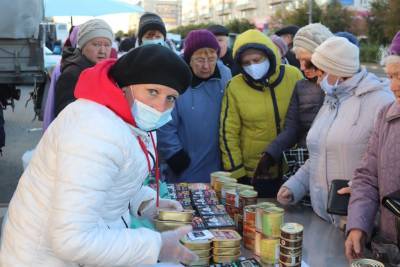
(259, 218)
(269, 250)
(257, 244)
(249, 216)
(271, 224)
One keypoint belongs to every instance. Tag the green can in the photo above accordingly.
(272, 220)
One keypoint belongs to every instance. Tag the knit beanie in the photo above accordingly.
(337, 56)
(150, 21)
(152, 64)
(198, 39)
(94, 28)
(280, 43)
(218, 30)
(394, 48)
(291, 29)
(349, 36)
(311, 36)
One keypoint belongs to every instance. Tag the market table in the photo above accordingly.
(323, 243)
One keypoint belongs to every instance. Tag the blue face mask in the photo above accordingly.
(148, 118)
(159, 41)
(328, 88)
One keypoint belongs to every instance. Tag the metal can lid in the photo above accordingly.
(366, 263)
(221, 174)
(275, 210)
(229, 185)
(242, 187)
(292, 228)
(248, 193)
(266, 205)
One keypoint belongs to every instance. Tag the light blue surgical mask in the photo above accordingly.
(159, 41)
(148, 118)
(328, 88)
(257, 71)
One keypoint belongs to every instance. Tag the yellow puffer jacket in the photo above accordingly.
(248, 120)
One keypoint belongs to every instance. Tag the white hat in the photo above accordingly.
(337, 56)
(94, 28)
(311, 36)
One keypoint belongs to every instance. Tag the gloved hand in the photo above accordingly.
(179, 162)
(150, 211)
(266, 162)
(172, 250)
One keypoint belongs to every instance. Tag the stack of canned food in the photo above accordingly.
(171, 219)
(261, 230)
(226, 246)
(201, 248)
(291, 245)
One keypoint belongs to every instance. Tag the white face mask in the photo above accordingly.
(148, 118)
(328, 88)
(257, 71)
(159, 41)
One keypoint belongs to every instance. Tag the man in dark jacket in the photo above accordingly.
(94, 45)
(225, 53)
(305, 103)
(2, 132)
(287, 34)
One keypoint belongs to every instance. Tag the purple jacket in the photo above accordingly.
(378, 176)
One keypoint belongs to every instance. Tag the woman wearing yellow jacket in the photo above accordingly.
(254, 108)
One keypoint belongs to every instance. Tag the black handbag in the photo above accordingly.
(337, 204)
(392, 202)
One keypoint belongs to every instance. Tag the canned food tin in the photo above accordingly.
(226, 238)
(162, 226)
(196, 244)
(366, 263)
(247, 197)
(201, 262)
(219, 183)
(266, 205)
(291, 251)
(231, 197)
(226, 187)
(202, 253)
(292, 231)
(257, 243)
(249, 243)
(226, 251)
(272, 221)
(290, 259)
(291, 243)
(282, 264)
(259, 217)
(215, 175)
(249, 215)
(225, 259)
(242, 187)
(249, 231)
(173, 215)
(269, 250)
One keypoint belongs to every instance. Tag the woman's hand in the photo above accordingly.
(354, 244)
(344, 191)
(285, 195)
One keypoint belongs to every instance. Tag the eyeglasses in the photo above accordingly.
(202, 60)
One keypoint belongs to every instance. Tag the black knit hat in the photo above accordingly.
(150, 21)
(152, 64)
(218, 30)
(291, 29)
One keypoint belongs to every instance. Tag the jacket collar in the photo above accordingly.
(393, 112)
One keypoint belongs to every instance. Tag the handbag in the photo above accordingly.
(337, 204)
(392, 202)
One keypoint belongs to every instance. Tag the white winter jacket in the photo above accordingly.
(339, 137)
(71, 204)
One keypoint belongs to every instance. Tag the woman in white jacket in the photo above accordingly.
(72, 203)
(339, 135)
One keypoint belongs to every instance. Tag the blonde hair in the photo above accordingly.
(392, 59)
